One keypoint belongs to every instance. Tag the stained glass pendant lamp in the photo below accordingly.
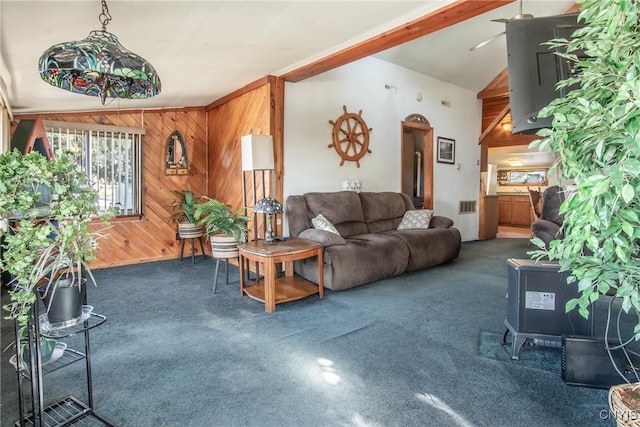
(99, 66)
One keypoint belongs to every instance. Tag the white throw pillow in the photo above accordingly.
(322, 223)
(419, 218)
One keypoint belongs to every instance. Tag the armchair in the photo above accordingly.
(547, 226)
(535, 199)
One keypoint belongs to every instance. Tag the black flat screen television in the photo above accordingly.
(534, 69)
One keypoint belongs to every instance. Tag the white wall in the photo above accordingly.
(310, 165)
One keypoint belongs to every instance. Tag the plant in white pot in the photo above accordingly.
(49, 243)
(595, 136)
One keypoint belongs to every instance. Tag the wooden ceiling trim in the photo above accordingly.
(237, 93)
(498, 87)
(494, 123)
(118, 112)
(451, 14)
(500, 92)
(574, 8)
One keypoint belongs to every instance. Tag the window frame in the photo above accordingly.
(105, 131)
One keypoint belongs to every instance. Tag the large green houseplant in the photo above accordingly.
(223, 225)
(50, 242)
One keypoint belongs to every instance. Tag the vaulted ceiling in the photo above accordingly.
(204, 50)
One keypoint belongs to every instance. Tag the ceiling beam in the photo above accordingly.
(451, 14)
(499, 86)
(494, 123)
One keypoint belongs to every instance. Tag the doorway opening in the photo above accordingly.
(416, 169)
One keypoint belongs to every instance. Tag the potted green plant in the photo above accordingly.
(224, 226)
(185, 215)
(594, 135)
(46, 250)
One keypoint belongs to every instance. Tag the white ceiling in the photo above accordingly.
(445, 54)
(203, 50)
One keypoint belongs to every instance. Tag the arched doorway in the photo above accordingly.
(416, 169)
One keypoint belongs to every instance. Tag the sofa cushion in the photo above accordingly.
(326, 238)
(429, 246)
(322, 223)
(343, 209)
(297, 215)
(382, 211)
(363, 259)
(418, 218)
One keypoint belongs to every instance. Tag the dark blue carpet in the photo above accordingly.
(423, 349)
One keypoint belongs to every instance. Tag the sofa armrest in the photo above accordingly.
(440, 222)
(546, 231)
(326, 238)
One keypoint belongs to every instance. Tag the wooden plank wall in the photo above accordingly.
(246, 114)
(151, 238)
(498, 137)
(212, 136)
(251, 110)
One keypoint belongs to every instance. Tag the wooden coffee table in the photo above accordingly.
(275, 290)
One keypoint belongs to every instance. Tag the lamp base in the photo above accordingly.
(269, 237)
(268, 234)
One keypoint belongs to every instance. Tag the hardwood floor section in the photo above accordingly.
(506, 232)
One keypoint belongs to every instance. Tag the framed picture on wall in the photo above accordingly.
(446, 150)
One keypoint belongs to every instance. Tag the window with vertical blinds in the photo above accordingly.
(111, 157)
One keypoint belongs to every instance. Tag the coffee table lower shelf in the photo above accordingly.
(68, 412)
(287, 289)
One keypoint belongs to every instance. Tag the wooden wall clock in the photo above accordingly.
(350, 136)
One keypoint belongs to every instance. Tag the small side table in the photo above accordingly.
(275, 290)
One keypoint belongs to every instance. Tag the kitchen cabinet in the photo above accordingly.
(515, 210)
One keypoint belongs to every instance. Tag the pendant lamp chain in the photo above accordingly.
(105, 16)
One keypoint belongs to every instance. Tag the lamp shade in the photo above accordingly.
(269, 206)
(99, 66)
(257, 152)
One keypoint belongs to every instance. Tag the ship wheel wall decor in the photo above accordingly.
(350, 136)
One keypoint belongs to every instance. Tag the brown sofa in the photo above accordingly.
(369, 246)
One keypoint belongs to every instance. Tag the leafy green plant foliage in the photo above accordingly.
(218, 217)
(184, 207)
(48, 240)
(595, 135)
